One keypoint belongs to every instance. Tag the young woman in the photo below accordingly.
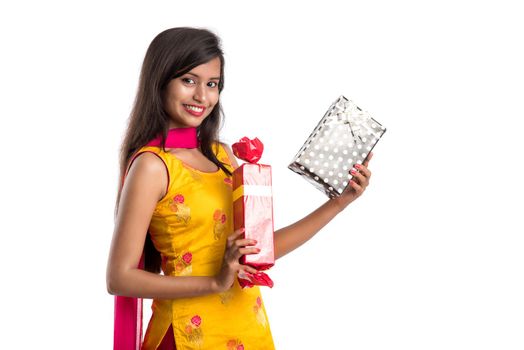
(175, 206)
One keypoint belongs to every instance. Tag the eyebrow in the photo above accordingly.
(193, 74)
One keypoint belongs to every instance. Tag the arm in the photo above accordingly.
(293, 236)
(144, 186)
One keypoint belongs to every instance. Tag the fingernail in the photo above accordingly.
(358, 166)
(254, 241)
(258, 250)
(353, 172)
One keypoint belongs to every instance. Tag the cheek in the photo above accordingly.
(170, 102)
(214, 97)
(174, 97)
(179, 92)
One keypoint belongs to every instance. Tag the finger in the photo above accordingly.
(245, 242)
(248, 251)
(359, 178)
(363, 170)
(237, 253)
(249, 269)
(235, 235)
(354, 185)
(368, 158)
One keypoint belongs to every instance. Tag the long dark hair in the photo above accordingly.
(171, 54)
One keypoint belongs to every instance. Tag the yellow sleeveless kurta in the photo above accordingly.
(189, 228)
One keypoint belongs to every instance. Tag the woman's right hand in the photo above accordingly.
(235, 248)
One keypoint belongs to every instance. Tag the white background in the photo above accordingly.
(431, 257)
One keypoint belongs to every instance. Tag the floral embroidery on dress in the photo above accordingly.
(194, 332)
(220, 223)
(259, 313)
(183, 264)
(182, 211)
(235, 344)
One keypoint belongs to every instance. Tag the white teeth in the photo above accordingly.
(196, 109)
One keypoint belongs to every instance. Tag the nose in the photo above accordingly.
(200, 94)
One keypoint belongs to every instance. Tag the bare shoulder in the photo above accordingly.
(143, 187)
(230, 154)
(149, 171)
(148, 163)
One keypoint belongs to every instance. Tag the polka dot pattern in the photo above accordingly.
(343, 137)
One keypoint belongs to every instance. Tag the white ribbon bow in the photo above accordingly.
(359, 121)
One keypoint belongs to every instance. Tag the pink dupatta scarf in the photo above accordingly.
(128, 310)
(128, 321)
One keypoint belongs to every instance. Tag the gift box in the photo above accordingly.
(343, 138)
(253, 209)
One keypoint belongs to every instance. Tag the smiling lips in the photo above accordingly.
(197, 111)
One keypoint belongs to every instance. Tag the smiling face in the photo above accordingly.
(190, 98)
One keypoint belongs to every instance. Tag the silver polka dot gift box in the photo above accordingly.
(343, 137)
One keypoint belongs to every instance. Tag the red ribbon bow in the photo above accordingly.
(248, 150)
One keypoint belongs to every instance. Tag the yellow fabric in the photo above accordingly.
(189, 227)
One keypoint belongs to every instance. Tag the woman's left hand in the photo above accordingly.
(357, 185)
